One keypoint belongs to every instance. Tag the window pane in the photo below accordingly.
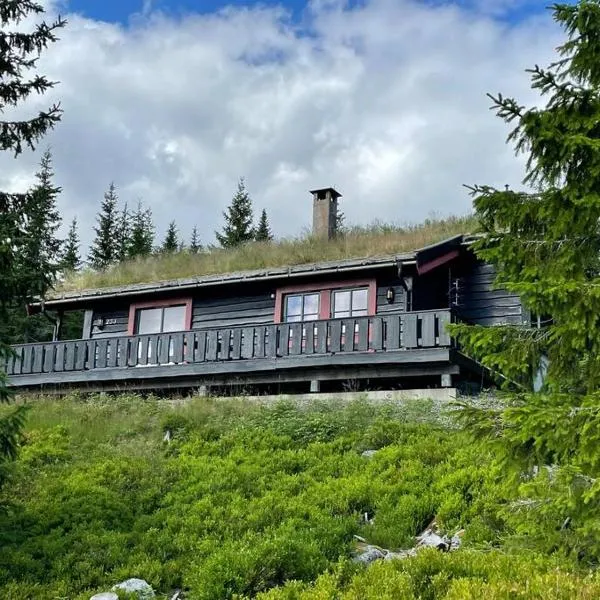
(311, 317)
(149, 320)
(174, 318)
(311, 305)
(293, 306)
(360, 301)
(293, 318)
(341, 304)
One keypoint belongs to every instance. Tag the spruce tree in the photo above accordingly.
(103, 251)
(142, 233)
(71, 260)
(20, 52)
(545, 245)
(238, 228)
(195, 245)
(171, 241)
(263, 231)
(123, 231)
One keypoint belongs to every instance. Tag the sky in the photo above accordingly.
(385, 100)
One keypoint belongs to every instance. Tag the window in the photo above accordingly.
(350, 303)
(159, 320)
(301, 307)
(160, 316)
(329, 301)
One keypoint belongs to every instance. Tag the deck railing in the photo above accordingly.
(393, 332)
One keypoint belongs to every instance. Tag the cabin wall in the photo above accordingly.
(233, 311)
(477, 301)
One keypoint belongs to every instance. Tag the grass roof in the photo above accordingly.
(375, 240)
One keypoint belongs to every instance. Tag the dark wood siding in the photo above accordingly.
(399, 303)
(116, 321)
(477, 300)
(231, 311)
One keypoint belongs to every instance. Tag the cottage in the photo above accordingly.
(378, 322)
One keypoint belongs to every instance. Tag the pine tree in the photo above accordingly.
(123, 231)
(142, 233)
(71, 260)
(195, 245)
(545, 245)
(263, 231)
(103, 251)
(171, 241)
(238, 227)
(20, 51)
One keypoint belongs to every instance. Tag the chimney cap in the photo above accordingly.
(321, 192)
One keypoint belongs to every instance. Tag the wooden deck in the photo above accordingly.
(411, 343)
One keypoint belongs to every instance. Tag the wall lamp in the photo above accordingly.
(390, 294)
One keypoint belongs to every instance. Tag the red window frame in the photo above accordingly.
(187, 302)
(325, 296)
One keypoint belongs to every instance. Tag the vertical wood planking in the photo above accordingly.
(38, 359)
(59, 360)
(428, 330)
(363, 334)
(70, 357)
(164, 343)
(200, 350)
(80, 355)
(177, 348)
(284, 340)
(9, 362)
(296, 339)
(309, 346)
(133, 351)
(48, 358)
(236, 344)
(124, 348)
(336, 336)
(271, 341)
(247, 342)
(392, 332)
(27, 359)
(142, 358)
(322, 331)
(113, 348)
(443, 319)
(212, 341)
(101, 350)
(347, 336)
(152, 349)
(409, 331)
(259, 347)
(376, 342)
(189, 343)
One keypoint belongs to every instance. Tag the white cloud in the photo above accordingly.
(386, 101)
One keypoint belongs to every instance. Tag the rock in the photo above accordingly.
(430, 539)
(369, 554)
(369, 453)
(105, 596)
(400, 555)
(140, 587)
(456, 540)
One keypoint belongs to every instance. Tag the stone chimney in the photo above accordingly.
(325, 206)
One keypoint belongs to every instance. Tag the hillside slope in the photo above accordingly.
(243, 499)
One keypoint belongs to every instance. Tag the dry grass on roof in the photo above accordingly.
(374, 240)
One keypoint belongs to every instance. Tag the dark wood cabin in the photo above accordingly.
(376, 323)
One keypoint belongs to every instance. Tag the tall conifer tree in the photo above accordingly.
(20, 51)
(123, 231)
(263, 231)
(238, 228)
(103, 251)
(142, 232)
(71, 256)
(545, 245)
(171, 241)
(195, 245)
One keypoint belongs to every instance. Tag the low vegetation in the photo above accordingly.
(356, 242)
(246, 502)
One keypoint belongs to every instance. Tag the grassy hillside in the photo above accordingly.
(359, 241)
(257, 502)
